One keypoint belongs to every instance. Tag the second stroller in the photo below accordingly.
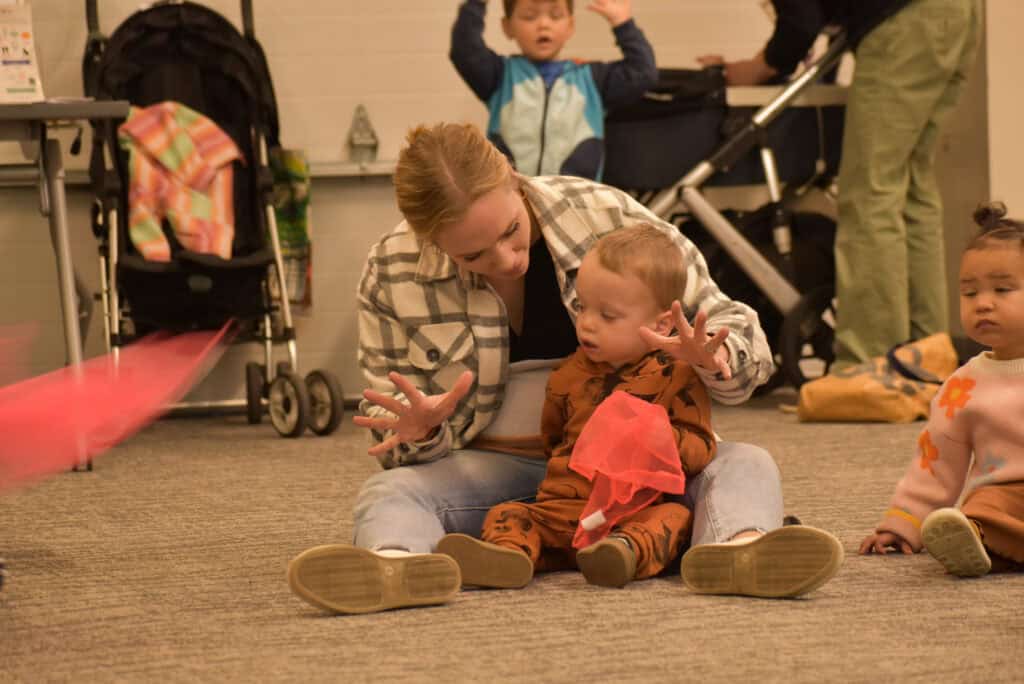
(186, 54)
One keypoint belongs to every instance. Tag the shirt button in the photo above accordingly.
(433, 355)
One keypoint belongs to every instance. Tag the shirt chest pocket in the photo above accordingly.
(440, 346)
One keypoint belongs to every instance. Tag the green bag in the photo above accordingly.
(292, 210)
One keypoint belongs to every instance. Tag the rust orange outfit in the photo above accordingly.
(544, 530)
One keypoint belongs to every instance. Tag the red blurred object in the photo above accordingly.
(628, 451)
(54, 422)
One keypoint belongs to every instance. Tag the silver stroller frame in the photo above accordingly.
(112, 324)
(808, 317)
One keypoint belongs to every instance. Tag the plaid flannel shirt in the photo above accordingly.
(422, 316)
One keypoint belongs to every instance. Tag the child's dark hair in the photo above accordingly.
(510, 6)
(995, 227)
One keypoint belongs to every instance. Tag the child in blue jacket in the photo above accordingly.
(547, 114)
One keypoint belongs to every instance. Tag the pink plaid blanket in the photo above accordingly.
(180, 164)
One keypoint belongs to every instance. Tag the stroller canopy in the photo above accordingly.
(187, 53)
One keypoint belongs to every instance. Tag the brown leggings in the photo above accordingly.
(998, 512)
(544, 531)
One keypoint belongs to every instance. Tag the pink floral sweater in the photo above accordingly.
(978, 411)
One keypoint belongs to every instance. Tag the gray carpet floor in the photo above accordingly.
(167, 562)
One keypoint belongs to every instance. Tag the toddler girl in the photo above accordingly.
(977, 412)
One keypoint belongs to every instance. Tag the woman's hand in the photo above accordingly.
(692, 344)
(744, 72)
(414, 421)
(615, 11)
(881, 542)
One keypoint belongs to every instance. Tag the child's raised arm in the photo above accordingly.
(623, 82)
(615, 11)
(478, 65)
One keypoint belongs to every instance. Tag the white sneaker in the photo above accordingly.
(786, 562)
(953, 541)
(347, 579)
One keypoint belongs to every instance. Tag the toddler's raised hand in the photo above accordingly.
(615, 11)
(881, 542)
(692, 344)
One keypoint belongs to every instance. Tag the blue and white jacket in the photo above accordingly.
(556, 130)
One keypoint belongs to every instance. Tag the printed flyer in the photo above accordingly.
(19, 67)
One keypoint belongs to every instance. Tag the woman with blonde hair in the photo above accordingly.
(463, 310)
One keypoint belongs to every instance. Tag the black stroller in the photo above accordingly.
(184, 52)
(776, 259)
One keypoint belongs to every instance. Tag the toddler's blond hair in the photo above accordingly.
(649, 254)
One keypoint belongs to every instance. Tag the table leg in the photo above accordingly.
(54, 169)
(53, 166)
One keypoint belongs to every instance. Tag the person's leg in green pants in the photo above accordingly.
(929, 310)
(890, 257)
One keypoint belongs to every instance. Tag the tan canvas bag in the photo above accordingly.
(896, 388)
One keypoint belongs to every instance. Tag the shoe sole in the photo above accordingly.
(487, 565)
(784, 563)
(950, 538)
(347, 579)
(605, 565)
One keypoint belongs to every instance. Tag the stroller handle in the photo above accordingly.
(92, 15)
(92, 19)
(247, 25)
(749, 136)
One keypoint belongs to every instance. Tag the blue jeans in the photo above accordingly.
(412, 507)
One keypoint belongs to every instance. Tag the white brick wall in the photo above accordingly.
(326, 56)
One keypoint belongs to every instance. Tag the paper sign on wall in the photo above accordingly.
(19, 67)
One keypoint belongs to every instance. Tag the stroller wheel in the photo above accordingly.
(326, 403)
(288, 404)
(807, 335)
(255, 383)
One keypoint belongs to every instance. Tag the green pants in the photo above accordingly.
(890, 256)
